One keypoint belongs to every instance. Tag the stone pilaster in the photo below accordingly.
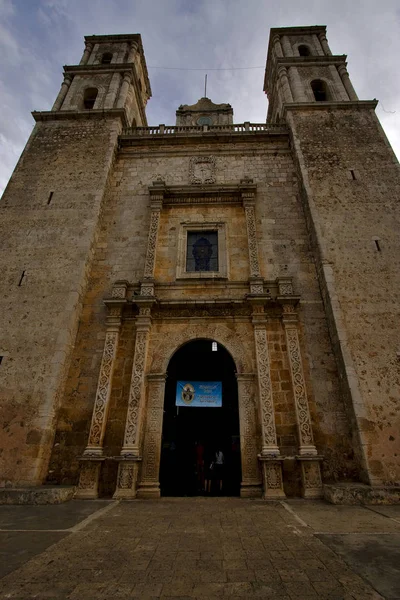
(308, 455)
(285, 85)
(251, 480)
(132, 52)
(156, 199)
(270, 456)
(286, 45)
(277, 46)
(123, 93)
(296, 85)
(130, 453)
(62, 93)
(149, 486)
(348, 86)
(112, 91)
(93, 454)
(248, 190)
(86, 54)
(324, 44)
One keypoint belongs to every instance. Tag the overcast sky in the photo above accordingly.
(37, 37)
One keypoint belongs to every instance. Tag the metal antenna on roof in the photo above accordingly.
(205, 87)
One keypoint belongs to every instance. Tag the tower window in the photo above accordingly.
(106, 58)
(304, 50)
(89, 97)
(320, 90)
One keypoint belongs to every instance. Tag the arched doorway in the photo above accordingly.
(190, 428)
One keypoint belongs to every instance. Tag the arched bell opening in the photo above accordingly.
(201, 416)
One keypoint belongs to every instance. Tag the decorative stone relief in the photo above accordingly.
(151, 245)
(88, 479)
(147, 290)
(243, 310)
(250, 471)
(103, 390)
(285, 288)
(273, 474)
(312, 474)
(213, 331)
(136, 391)
(126, 476)
(252, 240)
(269, 444)
(118, 292)
(306, 441)
(202, 169)
(152, 441)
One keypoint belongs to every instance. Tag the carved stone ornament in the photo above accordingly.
(126, 476)
(88, 476)
(147, 290)
(118, 292)
(273, 475)
(151, 244)
(103, 389)
(265, 391)
(312, 474)
(299, 389)
(152, 442)
(241, 310)
(202, 170)
(136, 389)
(213, 331)
(250, 471)
(252, 240)
(285, 289)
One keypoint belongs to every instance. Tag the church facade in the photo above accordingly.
(264, 256)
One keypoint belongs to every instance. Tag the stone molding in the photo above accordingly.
(73, 115)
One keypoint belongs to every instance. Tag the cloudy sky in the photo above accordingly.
(37, 37)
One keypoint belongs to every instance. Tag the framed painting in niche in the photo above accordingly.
(202, 251)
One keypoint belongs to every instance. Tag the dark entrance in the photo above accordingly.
(186, 429)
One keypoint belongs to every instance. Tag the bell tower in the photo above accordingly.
(349, 184)
(301, 68)
(111, 76)
(61, 186)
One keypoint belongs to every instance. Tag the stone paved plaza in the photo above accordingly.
(202, 548)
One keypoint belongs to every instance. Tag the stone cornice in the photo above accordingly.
(108, 68)
(201, 194)
(62, 115)
(330, 106)
(117, 37)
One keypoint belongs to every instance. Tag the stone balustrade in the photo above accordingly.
(162, 130)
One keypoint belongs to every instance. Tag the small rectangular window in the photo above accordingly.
(202, 251)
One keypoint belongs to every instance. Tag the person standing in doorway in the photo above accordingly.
(219, 463)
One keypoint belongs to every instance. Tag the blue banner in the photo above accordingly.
(199, 393)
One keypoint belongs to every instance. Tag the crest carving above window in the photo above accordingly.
(202, 170)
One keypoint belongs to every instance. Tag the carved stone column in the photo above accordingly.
(348, 86)
(308, 455)
(156, 199)
(248, 190)
(285, 85)
(93, 454)
(270, 456)
(86, 54)
(62, 93)
(123, 93)
(149, 486)
(251, 480)
(130, 453)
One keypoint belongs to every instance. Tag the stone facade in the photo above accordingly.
(305, 297)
